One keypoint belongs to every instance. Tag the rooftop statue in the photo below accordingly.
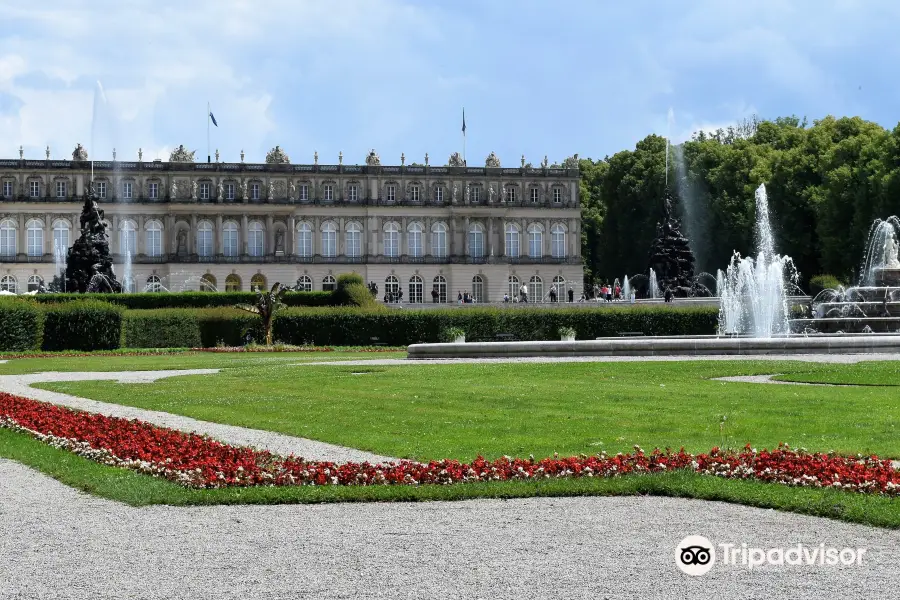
(492, 162)
(179, 154)
(571, 162)
(277, 156)
(79, 153)
(372, 159)
(456, 160)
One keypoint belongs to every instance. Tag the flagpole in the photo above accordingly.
(464, 138)
(208, 158)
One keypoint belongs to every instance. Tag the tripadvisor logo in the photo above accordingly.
(696, 555)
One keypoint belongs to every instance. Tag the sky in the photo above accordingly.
(550, 78)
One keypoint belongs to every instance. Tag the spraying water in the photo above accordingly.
(881, 251)
(126, 272)
(626, 288)
(654, 285)
(754, 292)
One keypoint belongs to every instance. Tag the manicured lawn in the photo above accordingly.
(460, 411)
(864, 373)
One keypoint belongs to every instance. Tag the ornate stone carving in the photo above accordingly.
(544, 162)
(468, 192)
(280, 189)
(193, 190)
(426, 159)
(48, 152)
(179, 154)
(79, 153)
(340, 157)
(277, 156)
(455, 192)
(402, 159)
(491, 194)
(174, 193)
(182, 242)
(571, 162)
(140, 155)
(271, 190)
(316, 157)
(244, 194)
(220, 191)
(372, 159)
(279, 240)
(217, 155)
(293, 188)
(456, 160)
(492, 162)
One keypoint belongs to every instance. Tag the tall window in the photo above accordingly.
(512, 240)
(329, 239)
(154, 238)
(204, 190)
(476, 240)
(536, 289)
(232, 283)
(60, 189)
(205, 238)
(535, 195)
(439, 194)
(8, 284)
(329, 284)
(127, 238)
(414, 239)
(8, 189)
(440, 286)
(127, 190)
(153, 190)
(557, 195)
(34, 230)
(391, 286)
(34, 282)
(328, 192)
(304, 193)
(560, 284)
(478, 288)
(416, 289)
(258, 282)
(558, 241)
(60, 237)
(304, 240)
(392, 239)
(353, 192)
(153, 284)
(513, 287)
(255, 241)
(304, 284)
(414, 193)
(35, 189)
(535, 241)
(208, 283)
(254, 191)
(230, 240)
(439, 240)
(7, 238)
(510, 194)
(100, 188)
(354, 239)
(391, 193)
(229, 191)
(476, 194)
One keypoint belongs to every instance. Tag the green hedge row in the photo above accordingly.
(180, 328)
(150, 300)
(82, 325)
(21, 324)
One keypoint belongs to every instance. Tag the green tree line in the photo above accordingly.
(826, 183)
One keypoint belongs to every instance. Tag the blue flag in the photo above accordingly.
(213, 119)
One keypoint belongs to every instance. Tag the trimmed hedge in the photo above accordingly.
(21, 324)
(181, 328)
(153, 300)
(82, 325)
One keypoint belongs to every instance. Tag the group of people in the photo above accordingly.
(608, 293)
(465, 298)
(553, 296)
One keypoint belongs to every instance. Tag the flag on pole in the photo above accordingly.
(213, 119)
(464, 122)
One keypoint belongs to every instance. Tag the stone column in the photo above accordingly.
(466, 239)
(545, 241)
(218, 247)
(490, 237)
(270, 235)
(138, 238)
(426, 236)
(48, 234)
(290, 241)
(340, 242)
(316, 235)
(192, 235)
(22, 234)
(114, 245)
(244, 229)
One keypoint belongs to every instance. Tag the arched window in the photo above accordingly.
(416, 289)
(304, 283)
(439, 240)
(153, 284)
(8, 284)
(513, 286)
(476, 240)
(34, 230)
(536, 289)
(232, 283)
(304, 239)
(559, 283)
(392, 240)
(230, 242)
(414, 240)
(512, 240)
(7, 239)
(354, 239)
(208, 283)
(154, 238)
(329, 284)
(535, 240)
(258, 282)
(127, 237)
(329, 239)
(205, 238)
(391, 288)
(34, 282)
(255, 242)
(440, 286)
(558, 241)
(129, 285)
(60, 238)
(478, 288)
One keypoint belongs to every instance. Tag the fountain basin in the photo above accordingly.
(886, 275)
(826, 325)
(666, 346)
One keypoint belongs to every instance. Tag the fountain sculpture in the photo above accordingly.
(88, 262)
(671, 258)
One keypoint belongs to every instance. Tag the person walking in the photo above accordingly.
(523, 293)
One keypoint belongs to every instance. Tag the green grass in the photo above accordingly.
(141, 490)
(864, 373)
(460, 411)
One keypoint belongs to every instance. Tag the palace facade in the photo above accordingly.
(183, 225)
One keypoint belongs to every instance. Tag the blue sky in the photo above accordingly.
(536, 78)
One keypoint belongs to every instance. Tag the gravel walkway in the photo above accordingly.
(59, 543)
(768, 379)
(264, 440)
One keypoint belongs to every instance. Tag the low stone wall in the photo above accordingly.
(666, 346)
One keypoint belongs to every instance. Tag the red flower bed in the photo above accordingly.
(199, 461)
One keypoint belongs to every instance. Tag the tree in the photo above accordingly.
(267, 305)
(88, 261)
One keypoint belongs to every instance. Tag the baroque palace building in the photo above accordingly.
(182, 225)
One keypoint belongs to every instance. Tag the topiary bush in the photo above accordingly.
(82, 325)
(162, 328)
(21, 325)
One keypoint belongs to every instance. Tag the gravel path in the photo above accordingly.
(56, 542)
(264, 440)
(768, 379)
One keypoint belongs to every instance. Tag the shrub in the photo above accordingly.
(151, 300)
(162, 328)
(452, 333)
(823, 282)
(82, 325)
(227, 327)
(566, 332)
(21, 324)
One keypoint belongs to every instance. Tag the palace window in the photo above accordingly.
(304, 283)
(8, 189)
(414, 193)
(60, 238)
(478, 288)
(304, 193)
(254, 191)
(8, 284)
(353, 193)
(255, 242)
(535, 241)
(205, 238)
(476, 194)
(127, 190)
(557, 195)
(34, 282)
(476, 240)
(440, 286)
(328, 191)
(34, 230)
(100, 189)
(536, 289)
(204, 190)
(512, 240)
(127, 238)
(416, 289)
(439, 240)
(35, 189)
(153, 284)
(414, 239)
(153, 190)
(60, 189)
(154, 238)
(391, 193)
(328, 284)
(510, 194)
(354, 239)
(558, 241)
(229, 191)
(258, 282)
(535, 195)
(230, 240)
(329, 239)
(392, 240)
(439, 194)
(7, 238)
(304, 240)
(232, 283)
(512, 288)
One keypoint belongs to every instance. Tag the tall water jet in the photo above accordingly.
(654, 285)
(720, 281)
(126, 272)
(754, 298)
(881, 262)
(626, 289)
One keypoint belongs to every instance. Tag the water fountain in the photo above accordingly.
(871, 306)
(626, 289)
(654, 286)
(126, 271)
(754, 294)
